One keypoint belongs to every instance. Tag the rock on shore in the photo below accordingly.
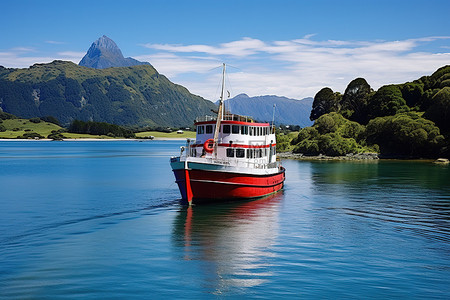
(351, 156)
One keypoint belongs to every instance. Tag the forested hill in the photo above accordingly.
(410, 119)
(135, 96)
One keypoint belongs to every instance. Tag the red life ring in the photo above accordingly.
(209, 145)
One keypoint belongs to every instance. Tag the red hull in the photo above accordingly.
(203, 184)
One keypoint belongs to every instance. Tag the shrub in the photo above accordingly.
(405, 134)
(56, 136)
(35, 120)
(30, 135)
(51, 119)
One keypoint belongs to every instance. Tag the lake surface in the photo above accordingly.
(102, 220)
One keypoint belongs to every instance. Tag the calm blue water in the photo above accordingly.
(102, 220)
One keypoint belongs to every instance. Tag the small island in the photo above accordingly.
(409, 120)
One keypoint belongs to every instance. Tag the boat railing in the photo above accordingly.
(190, 152)
(205, 119)
(226, 117)
(234, 117)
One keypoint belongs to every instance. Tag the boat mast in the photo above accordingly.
(219, 113)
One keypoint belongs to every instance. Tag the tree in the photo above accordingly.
(412, 93)
(332, 135)
(387, 101)
(439, 111)
(405, 134)
(326, 124)
(354, 101)
(325, 101)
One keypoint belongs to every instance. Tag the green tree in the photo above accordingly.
(405, 134)
(325, 101)
(354, 101)
(387, 101)
(412, 92)
(439, 111)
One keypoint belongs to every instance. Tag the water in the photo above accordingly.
(103, 220)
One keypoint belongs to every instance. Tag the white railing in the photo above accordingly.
(261, 163)
(226, 117)
(205, 118)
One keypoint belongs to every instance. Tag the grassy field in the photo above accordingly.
(17, 127)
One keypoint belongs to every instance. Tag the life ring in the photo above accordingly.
(209, 145)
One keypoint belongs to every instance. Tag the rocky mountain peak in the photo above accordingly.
(104, 53)
(103, 44)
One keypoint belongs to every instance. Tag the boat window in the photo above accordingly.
(230, 152)
(226, 128)
(200, 129)
(240, 153)
(209, 128)
(235, 129)
(244, 129)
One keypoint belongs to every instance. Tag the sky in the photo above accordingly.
(290, 48)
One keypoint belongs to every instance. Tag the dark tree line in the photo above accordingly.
(100, 128)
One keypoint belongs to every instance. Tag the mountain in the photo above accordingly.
(133, 96)
(287, 111)
(104, 53)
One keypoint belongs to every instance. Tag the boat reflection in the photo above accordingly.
(233, 239)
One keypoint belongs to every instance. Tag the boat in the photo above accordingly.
(232, 157)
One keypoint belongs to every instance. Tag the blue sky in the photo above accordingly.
(279, 47)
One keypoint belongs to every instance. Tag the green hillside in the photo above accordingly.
(14, 128)
(134, 96)
(408, 120)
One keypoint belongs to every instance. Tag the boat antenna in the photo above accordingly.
(220, 112)
(273, 114)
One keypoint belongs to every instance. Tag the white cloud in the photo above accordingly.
(294, 68)
(55, 42)
(297, 68)
(22, 57)
(244, 47)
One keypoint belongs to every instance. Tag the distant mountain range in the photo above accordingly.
(287, 111)
(104, 53)
(106, 87)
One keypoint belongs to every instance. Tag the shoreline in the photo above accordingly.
(352, 157)
(360, 157)
(93, 140)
